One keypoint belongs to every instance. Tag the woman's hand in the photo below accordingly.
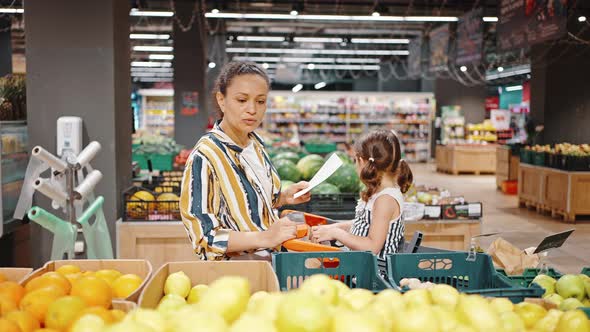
(279, 232)
(287, 195)
(325, 233)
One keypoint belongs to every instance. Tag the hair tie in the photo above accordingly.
(372, 159)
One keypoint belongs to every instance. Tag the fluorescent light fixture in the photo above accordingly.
(311, 66)
(582, 19)
(380, 18)
(136, 12)
(315, 51)
(261, 38)
(12, 10)
(212, 65)
(155, 79)
(297, 88)
(431, 19)
(513, 88)
(151, 74)
(490, 19)
(294, 12)
(161, 56)
(346, 67)
(305, 60)
(151, 70)
(148, 36)
(463, 68)
(375, 14)
(319, 85)
(500, 69)
(265, 65)
(316, 40)
(215, 11)
(150, 64)
(519, 70)
(379, 41)
(153, 48)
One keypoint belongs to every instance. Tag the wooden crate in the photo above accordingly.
(530, 182)
(260, 274)
(445, 234)
(16, 274)
(140, 267)
(466, 159)
(157, 242)
(506, 166)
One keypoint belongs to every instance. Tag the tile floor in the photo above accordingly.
(521, 227)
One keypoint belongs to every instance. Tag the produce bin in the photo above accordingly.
(525, 156)
(16, 274)
(576, 163)
(259, 273)
(320, 148)
(162, 162)
(334, 206)
(538, 158)
(528, 275)
(554, 160)
(140, 267)
(138, 208)
(357, 269)
(472, 277)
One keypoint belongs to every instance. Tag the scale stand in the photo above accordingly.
(473, 246)
(550, 242)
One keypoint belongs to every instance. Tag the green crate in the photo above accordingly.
(357, 269)
(162, 162)
(538, 158)
(320, 148)
(525, 156)
(528, 275)
(452, 268)
(586, 271)
(586, 310)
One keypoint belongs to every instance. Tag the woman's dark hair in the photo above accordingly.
(229, 72)
(382, 153)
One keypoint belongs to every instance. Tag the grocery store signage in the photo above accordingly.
(524, 23)
(190, 103)
(553, 241)
(470, 37)
(439, 48)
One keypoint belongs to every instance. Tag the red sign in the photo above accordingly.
(492, 103)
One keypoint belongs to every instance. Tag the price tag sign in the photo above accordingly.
(553, 241)
(432, 211)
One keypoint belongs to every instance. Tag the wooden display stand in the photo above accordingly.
(159, 242)
(445, 234)
(506, 165)
(558, 192)
(457, 159)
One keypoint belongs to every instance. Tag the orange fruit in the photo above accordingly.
(25, 320)
(125, 285)
(93, 290)
(118, 315)
(37, 301)
(87, 273)
(2, 277)
(73, 277)
(101, 312)
(108, 275)
(13, 290)
(63, 312)
(8, 326)
(7, 304)
(49, 279)
(68, 269)
(46, 330)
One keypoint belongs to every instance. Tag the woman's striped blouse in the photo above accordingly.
(220, 194)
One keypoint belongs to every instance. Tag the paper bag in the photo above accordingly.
(510, 258)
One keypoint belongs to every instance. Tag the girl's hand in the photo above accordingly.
(291, 190)
(324, 233)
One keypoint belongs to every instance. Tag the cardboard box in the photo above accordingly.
(140, 267)
(17, 274)
(125, 306)
(260, 274)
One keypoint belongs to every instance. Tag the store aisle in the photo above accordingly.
(520, 227)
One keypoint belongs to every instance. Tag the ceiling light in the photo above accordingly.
(346, 67)
(148, 36)
(315, 51)
(151, 74)
(319, 85)
(333, 17)
(294, 12)
(136, 12)
(513, 88)
(375, 14)
(463, 68)
(261, 38)
(212, 65)
(316, 40)
(431, 18)
(161, 56)
(153, 48)
(215, 11)
(155, 79)
(154, 70)
(12, 10)
(490, 19)
(297, 88)
(500, 69)
(150, 64)
(305, 60)
(380, 41)
(513, 71)
(310, 66)
(582, 19)
(265, 65)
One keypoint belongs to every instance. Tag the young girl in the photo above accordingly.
(378, 224)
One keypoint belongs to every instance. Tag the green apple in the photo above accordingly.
(358, 322)
(381, 310)
(549, 322)
(417, 298)
(148, 317)
(416, 319)
(586, 302)
(177, 283)
(357, 298)
(445, 316)
(570, 285)
(573, 321)
(554, 298)
(300, 311)
(88, 323)
(444, 295)
(511, 322)
(586, 281)
(501, 304)
(341, 289)
(390, 298)
(322, 286)
(170, 303)
(195, 320)
(227, 296)
(530, 313)
(570, 304)
(266, 305)
(250, 322)
(196, 293)
(476, 311)
(546, 282)
(128, 326)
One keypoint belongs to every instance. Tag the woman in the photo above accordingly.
(230, 188)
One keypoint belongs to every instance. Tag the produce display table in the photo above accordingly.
(506, 165)
(554, 191)
(445, 234)
(474, 159)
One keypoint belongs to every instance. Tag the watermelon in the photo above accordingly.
(309, 165)
(346, 179)
(288, 171)
(285, 184)
(290, 156)
(343, 156)
(325, 189)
